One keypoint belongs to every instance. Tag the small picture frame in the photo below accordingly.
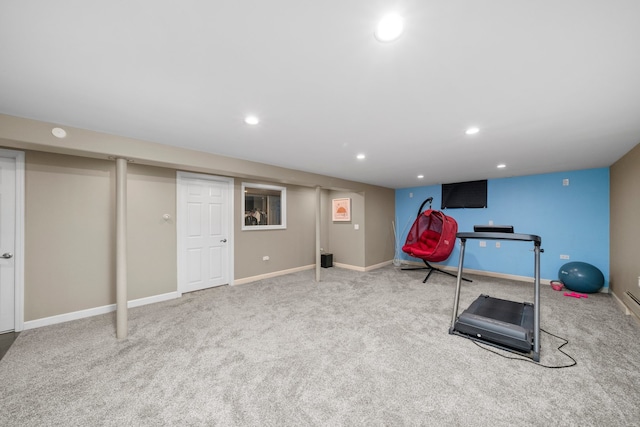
(341, 209)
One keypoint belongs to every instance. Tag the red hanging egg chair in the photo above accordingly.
(432, 238)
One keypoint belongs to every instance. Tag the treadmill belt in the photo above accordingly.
(498, 321)
(499, 309)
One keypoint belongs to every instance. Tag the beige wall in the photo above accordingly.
(70, 217)
(288, 248)
(372, 243)
(69, 234)
(625, 228)
(380, 213)
(151, 240)
(347, 243)
(70, 228)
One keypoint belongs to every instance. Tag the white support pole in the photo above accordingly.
(121, 248)
(317, 234)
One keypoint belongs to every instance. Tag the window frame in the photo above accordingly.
(247, 186)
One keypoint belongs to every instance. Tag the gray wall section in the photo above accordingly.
(624, 228)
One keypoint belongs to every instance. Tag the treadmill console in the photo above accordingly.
(493, 228)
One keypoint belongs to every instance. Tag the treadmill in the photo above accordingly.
(509, 325)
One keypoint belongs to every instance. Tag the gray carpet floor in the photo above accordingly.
(355, 349)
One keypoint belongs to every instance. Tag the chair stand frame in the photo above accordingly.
(431, 269)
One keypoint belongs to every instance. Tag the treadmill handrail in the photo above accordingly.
(537, 240)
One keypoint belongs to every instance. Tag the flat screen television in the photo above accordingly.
(470, 194)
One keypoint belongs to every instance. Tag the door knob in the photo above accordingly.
(7, 255)
(224, 240)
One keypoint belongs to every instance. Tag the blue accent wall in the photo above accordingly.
(571, 220)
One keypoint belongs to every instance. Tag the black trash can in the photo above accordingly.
(326, 260)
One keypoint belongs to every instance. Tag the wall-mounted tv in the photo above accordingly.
(470, 194)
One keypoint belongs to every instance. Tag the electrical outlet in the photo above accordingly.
(565, 182)
(411, 195)
(564, 256)
(490, 222)
(265, 258)
(497, 244)
(483, 244)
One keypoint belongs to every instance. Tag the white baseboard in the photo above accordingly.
(348, 266)
(362, 269)
(626, 308)
(151, 300)
(246, 280)
(67, 317)
(307, 267)
(379, 265)
(622, 305)
(81, 314)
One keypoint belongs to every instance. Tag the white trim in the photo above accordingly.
(181, 176)
(153, 299)
(283, 207)
(622, 305)
(274, 274)
(67, 317)
(90, 312)
(630, 305)
(379, 265)
(362, 269)
(19, 238)
(349, 267)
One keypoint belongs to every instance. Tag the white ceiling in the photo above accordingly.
(553, 85)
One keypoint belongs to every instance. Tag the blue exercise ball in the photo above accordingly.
(581, 277)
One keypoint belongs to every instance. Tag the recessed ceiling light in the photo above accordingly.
(389, 28)
(59, 132)
(501, 166)
(360, 156)
(472, 131)
(420, 176)
(251, 120)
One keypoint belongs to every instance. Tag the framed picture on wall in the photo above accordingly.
(341, 210)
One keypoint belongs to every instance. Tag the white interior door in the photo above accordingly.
(205, 227)
(7, 243)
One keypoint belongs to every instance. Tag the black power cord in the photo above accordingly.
(566, 341)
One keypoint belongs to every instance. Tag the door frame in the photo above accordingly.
(18, 250)
(182, 178)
